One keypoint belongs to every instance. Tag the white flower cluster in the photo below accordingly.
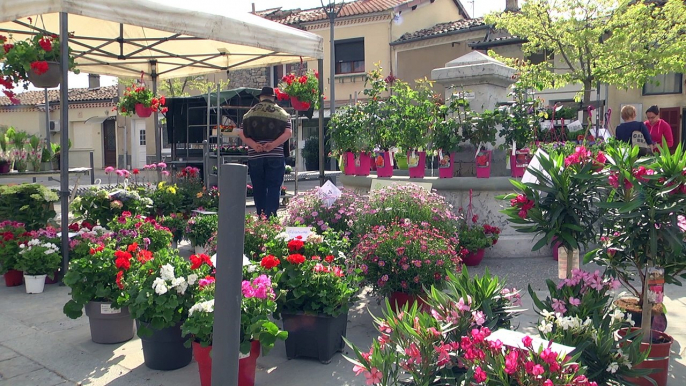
(168, 281)
(315, 238)
(50, 248)
(282, 236)
(206, 306)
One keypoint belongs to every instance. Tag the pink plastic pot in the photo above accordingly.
(349, 168)
(382, 160)
(365, 165)
(419, 170)
(447, 171)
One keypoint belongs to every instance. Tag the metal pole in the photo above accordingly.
(219, 133)
(297, 149)
(92, 172)
(64, 139)
(226, 341)
(321, 122)
(47, 118)
(155, 115)
(208, 131)
(126, 145)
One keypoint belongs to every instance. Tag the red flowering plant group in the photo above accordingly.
(145, 231)
(134, 95)
(310, 277)
(10, 236)
(405, 257)
(560, 204)
(475, 236)
(304, 87)
(159, 288)
(85, 239)
(26, 56)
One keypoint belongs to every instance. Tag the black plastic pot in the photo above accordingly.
(51, 78)
(314, 336)
(109, 325)
(164, 349)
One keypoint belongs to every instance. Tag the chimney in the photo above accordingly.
(511, 5)
(93, 81)
(253, 8)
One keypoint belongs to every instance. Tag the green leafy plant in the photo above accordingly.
(347, 131)
(200, 228)
(377, 111)
(520, 117)
(38, 257)
(144, 231)
(31, 204)
(412, 113)
(10, 236)
(304, 87)
(99, 206)
(474, 236)
(258, 231)
(166, 199)
(134, 95)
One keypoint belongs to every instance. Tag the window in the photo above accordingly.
(540, 57)
(349, 56)
(663, 84)
(279, 71)
(141, 140)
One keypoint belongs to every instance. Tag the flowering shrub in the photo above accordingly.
(310, 209)
(405, 256)
(158, 288)
(207, 199)
(257, 305)
(304, 87)
(310, 281)
(140, 95)
(165, 199)
(578, 312)
(10, 231)
(474, 236)
(258, 231)
(99, 206)
(561, 204)
(200, 228)
(31, 204)
(176, 223)
(399, 202)
(32, 55)
(38, 257)
(93, 277)
(145, 231)
(85, 240)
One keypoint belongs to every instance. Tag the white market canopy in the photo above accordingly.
(121, 37)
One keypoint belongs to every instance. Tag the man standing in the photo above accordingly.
(266, 126)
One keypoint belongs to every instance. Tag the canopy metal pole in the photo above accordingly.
(47, 119)
(64, 139)
(321, 120)
(297, 132)
(227, 329)
(155, 116)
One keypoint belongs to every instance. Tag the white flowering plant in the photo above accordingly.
(159, 288)
(39, 257)
(579, 313)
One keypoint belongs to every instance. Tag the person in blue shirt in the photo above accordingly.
(626, 130)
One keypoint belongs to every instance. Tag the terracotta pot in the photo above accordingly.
(382, 160)
(447, 171)
(630, 306)
(51, 78)
(658, 358)
(298, 105)
(474, 258)
(419, 170)
(365, 164)
(13, 278)
(142, 111)
(399, 299)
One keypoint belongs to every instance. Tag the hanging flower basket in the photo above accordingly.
(45, 74)
(298, 105)
(141, 101)
(142, 111)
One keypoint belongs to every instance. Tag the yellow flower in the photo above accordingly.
(160, 185)
(171, 190)
(198, 195)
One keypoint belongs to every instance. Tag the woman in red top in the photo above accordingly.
(659, 128)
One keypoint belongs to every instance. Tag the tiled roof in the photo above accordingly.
(442, 29)
(497, 41)
(75, 95)
(353, 8)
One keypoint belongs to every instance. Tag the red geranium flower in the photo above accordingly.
(329, 258)
(135, 171)
(295, 245)
(296, 258)
(120, 274)
(270, 262)
(198, 260)
(144, 256)
(46, 44)
(39, 67)
(123, 260)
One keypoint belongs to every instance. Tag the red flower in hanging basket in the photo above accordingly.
(142, 101)
(304, 89)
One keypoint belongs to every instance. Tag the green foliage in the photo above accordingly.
(99, 206)
(259, 231)
(304, 87)
(200, 228)
(146, 232)
(347, 130)
(91, 278)
(597, 41)
(31, 204)
(166, 199)
(377, 111)
(10, 233)
(520, 117)
(39, 257)
(310, 151)
(412, 113)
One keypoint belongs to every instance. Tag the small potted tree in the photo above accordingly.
(38, 259)
(350, 140)
(480, 132)
(447, 133)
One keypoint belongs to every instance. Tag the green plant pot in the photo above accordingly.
(401, 161)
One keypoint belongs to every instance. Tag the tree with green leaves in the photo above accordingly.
(182, 87)
(618, 42)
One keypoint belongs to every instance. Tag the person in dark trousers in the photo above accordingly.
(266, 127)
(626, 130)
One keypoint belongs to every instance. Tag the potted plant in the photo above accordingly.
(46, 158)
(35, 60)
(315, 293)
(30, 204)
(310, 153)
(18, 141)
(302, 90)
(398, 266)
(158, 288)
(5, 154)
(142, 101)
(310, 208)
(475, 238)
(480, 132)
(176, 223)
(144, 231)
(258, 332)
(35, 153)
(561, 204)
(199, 230)
(643, 236)
(379, 120)
(447, 132)
(95, 283)
(10, 232)
(350, 139)
(38, 259)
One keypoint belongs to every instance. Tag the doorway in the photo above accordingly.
(109, 145)
(139, 143)
(672, 115)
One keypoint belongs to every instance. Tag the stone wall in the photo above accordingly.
(252, 77)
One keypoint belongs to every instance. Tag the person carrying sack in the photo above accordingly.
(634, 132)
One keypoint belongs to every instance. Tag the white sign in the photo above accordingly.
(575, 126)
(468, 95)
(329, 193)
(379, 184)
(514, 339)
(294, 232)
(536, 165)
(546, 125)
(246, 262)
(106, 309)
(203, 212)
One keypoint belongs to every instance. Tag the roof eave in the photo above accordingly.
(456, 32)
(498, 43)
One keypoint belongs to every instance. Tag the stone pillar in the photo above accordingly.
(485, 77)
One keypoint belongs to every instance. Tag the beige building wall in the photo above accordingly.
(424, 16)
(635, 96)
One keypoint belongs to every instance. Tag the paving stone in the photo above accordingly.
(42, 377)
(6, 353)
(17, 366)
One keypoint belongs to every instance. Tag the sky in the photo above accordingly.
(479, 7)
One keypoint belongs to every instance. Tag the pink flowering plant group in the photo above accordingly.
(145, 231)
(310, 208)
(99, 206)
(560, 205)
(81, 244)
(405, 256)
(579, 313)
(258, 231)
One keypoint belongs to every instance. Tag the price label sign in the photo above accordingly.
(294, 232)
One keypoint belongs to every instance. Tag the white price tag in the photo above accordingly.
(575, 126)
(106, 309)
(294, 232)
